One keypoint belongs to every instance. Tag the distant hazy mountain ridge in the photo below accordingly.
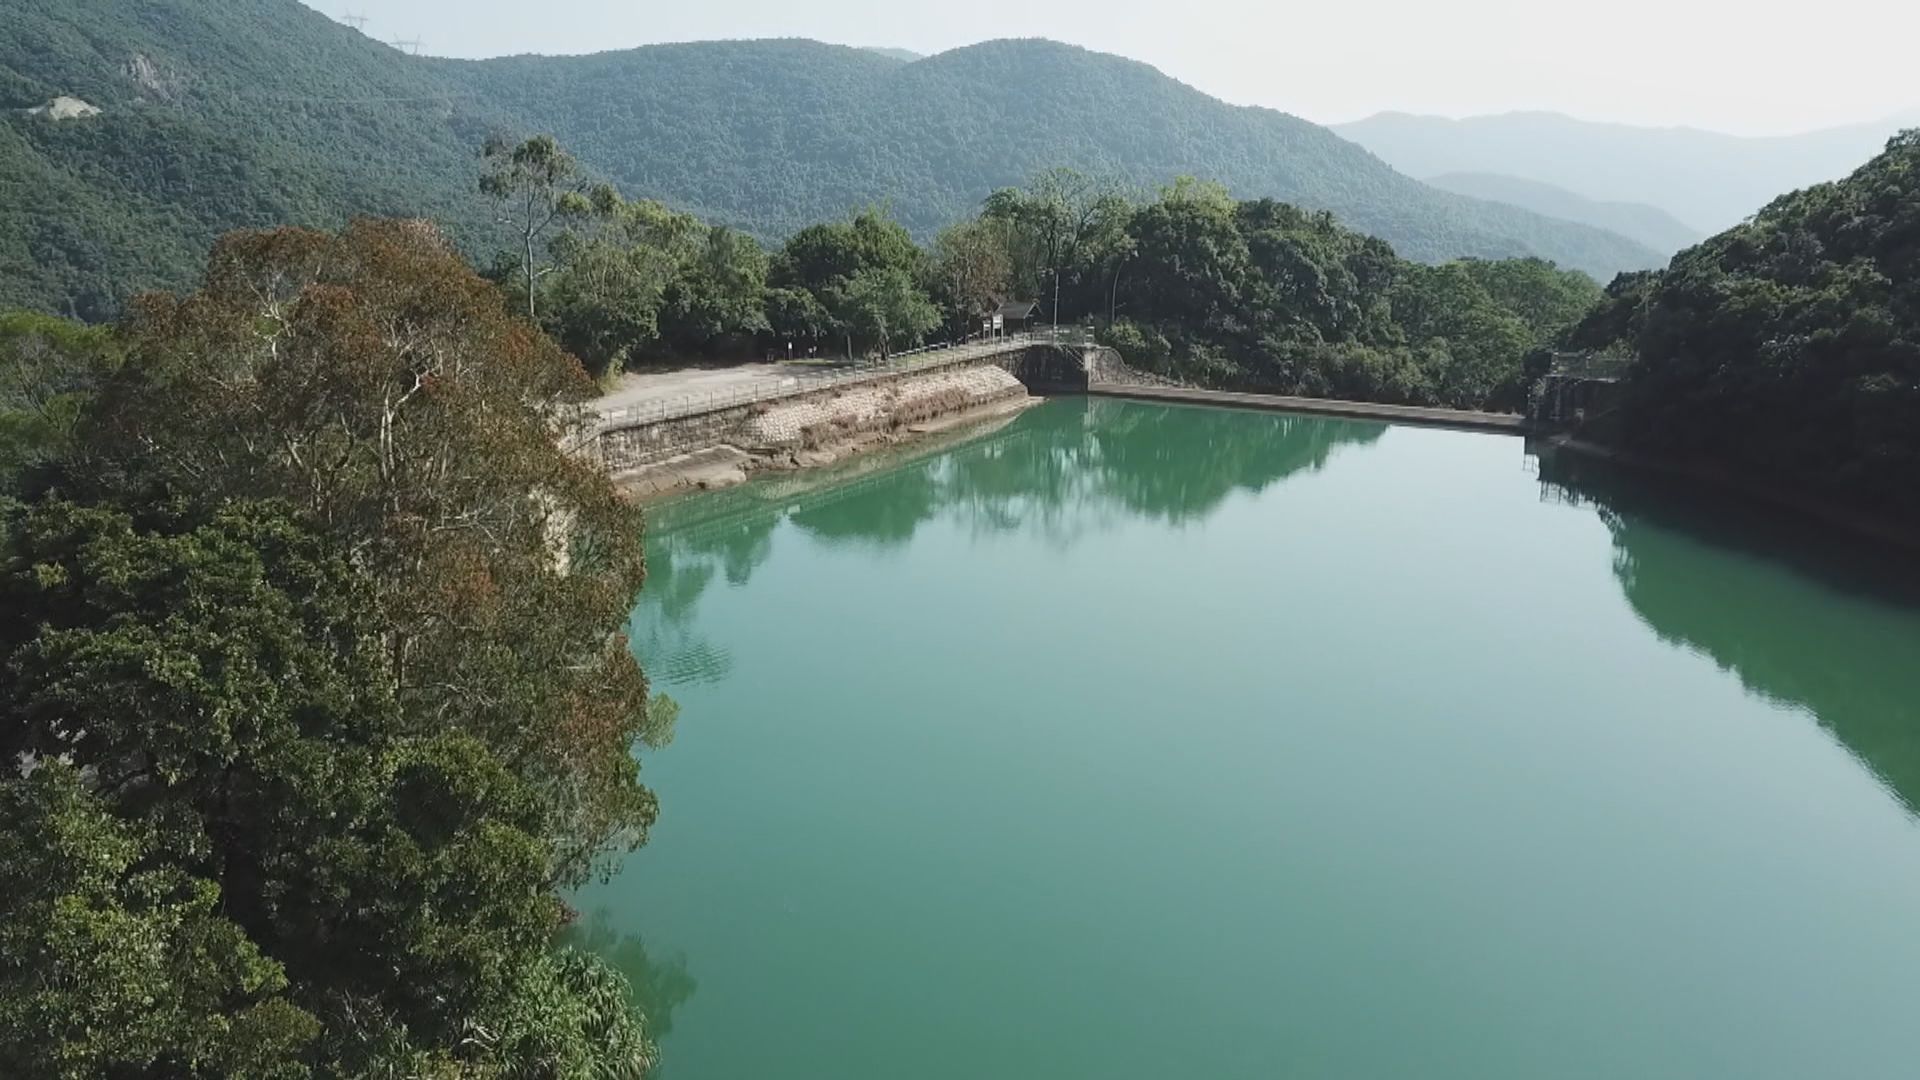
(1648, 225)
(1707, 180)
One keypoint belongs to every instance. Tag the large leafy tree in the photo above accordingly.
(49, 369)
(636, 279)
(1060, 229)
(719, 293)
(882, 306)
(232, 851)
(864, 275)
(111, 965)
(613, 269)
(534, 184)
(374, 381)
(1541, 295)
(1472, 348)
(971, 270)
(819, 257)
(1310, 280)
(1192, 261)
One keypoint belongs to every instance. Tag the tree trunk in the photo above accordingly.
(528, 267)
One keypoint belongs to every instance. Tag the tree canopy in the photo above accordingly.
(1256, 295)
(313, 666)
(1262, 295)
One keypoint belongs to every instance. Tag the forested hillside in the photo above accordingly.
(1787, 348)
(1707, 179)
(771, 135)
(218, 114)
(1640, 222)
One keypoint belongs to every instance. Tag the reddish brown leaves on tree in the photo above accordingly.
(379, 385)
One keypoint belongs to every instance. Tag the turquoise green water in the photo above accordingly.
(1135, 741)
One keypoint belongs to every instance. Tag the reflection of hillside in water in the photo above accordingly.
(1060, 471)
(1801, 616)
(1081, 464)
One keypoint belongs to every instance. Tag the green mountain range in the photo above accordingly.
(775, 135)
(217, 114)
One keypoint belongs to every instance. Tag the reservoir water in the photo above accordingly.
(1149, 741)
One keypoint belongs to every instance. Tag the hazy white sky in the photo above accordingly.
(1753, 66)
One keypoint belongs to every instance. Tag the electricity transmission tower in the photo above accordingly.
(408, 45)
(358, 22)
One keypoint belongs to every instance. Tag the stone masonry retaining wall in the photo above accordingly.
(630, 448)
(1106, 367)
(789, 423)
(819, 420)
(813, 417)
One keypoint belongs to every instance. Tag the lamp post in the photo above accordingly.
(1056, 303)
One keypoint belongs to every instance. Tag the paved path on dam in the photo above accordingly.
(1509, 423)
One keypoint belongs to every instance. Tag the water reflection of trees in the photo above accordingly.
(1059, 472)
(680, 568)
(1178, 464)
(1800, 615)
(656, 985)
(882, 512)
(1079, 459)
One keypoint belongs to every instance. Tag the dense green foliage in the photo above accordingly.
(1258, 295)
(635, 283)
(865, 279)
(1262, 295)
(49, 369)
(222, 114)
(310, 652)
(1787, 348)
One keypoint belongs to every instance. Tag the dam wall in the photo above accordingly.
(778, 423)
(810, 416)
